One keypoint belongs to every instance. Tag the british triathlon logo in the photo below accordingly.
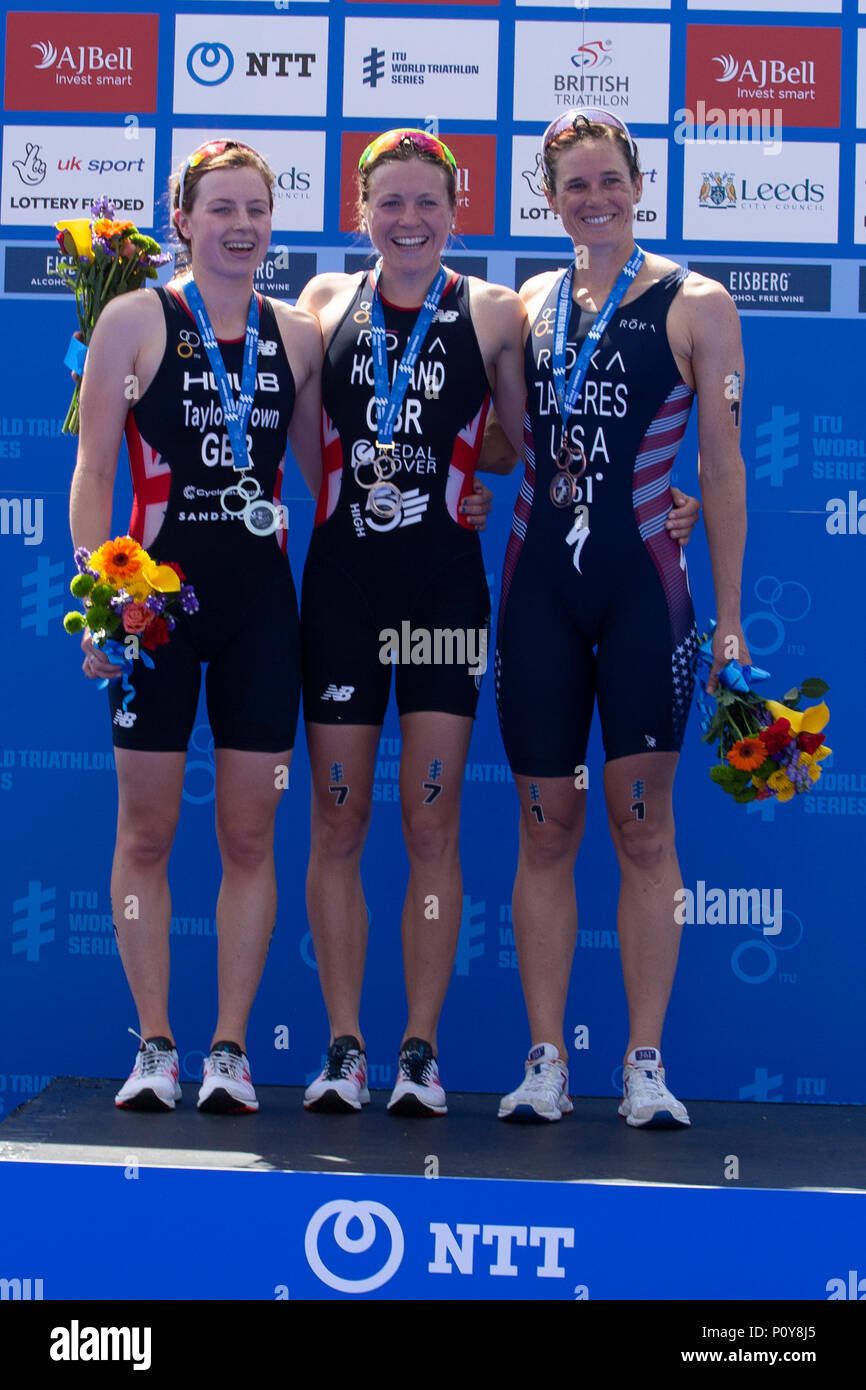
(717, 191)
(209, 64)
(374, 67)
(594, 55)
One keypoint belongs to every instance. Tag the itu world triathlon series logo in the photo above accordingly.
(718, 191)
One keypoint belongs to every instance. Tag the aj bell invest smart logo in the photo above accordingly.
(81, 62)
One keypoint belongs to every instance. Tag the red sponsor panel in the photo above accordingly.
(476, 179)
(81, 62)
(738, 68)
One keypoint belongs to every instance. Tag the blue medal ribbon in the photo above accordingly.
(389, 402)
(566, 395)
(732, 677)
(236, 414)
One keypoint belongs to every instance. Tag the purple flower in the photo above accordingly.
(170, 623)
(156, 603)
(103, 208)
(188, 601)
(81, 555)
(119, 602)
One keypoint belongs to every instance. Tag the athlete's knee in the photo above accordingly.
(642, 846)
(428, 835)
(339, 832)
(145, 844)
(547, 841)
(245, 846)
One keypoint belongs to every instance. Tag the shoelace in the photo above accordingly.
(546, 1081)
(650, 1079)
(227, 1064)
(340, 1063)
(418, 1069)
(153, 1059)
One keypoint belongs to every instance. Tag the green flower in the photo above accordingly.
(101, 595)
(81, 585)
(74, 622)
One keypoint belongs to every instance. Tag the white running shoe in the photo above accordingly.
(418, 1090)
(646, 1101)
(227, 1087)
(543, 1093)
(153, 1082)
(341, 1086)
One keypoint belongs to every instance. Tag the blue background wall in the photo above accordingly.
(765, 1018)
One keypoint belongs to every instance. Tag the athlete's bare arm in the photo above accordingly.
(302, 340)
(706, 339)
(124, 353)
(327, 297)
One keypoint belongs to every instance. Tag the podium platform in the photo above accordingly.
(754, 1201)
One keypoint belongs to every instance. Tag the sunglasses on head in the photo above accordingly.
(418, 139)
(590, 115)
(206, 151)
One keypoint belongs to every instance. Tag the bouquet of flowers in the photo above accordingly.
(766, 748)
(125, 591)
(105, 258)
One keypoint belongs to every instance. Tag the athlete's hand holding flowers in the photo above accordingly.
(125, 594)
(109, 258)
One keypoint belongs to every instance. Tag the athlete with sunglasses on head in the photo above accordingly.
(413, 354)
(595, 598)
(221, 375)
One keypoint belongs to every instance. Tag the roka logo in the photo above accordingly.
(362, 1216)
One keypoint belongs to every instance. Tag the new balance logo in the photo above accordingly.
(339, 692)
(374, 67)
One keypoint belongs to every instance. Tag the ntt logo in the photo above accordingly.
(210, 64)
(355, 1230)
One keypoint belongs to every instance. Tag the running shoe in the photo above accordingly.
(227, 1087)
(646, 1101)
(341, 1086)
(153, 1082)
(418, 1090)
(543, 1093)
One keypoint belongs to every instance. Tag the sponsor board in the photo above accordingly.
(621, 68)
(51, 173)
(765, 6)
(762, 286)
(597, 4)
(33, 270)
(81, 62)
(863, 289)
(476, 179)
(437, 68)
(525, 267)
(860, 196)
(283, 273)
(278, 65)
(531, 216)
(796, 70)
(297, 158)
(464, 265)
(861, 77)
(731, 192)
